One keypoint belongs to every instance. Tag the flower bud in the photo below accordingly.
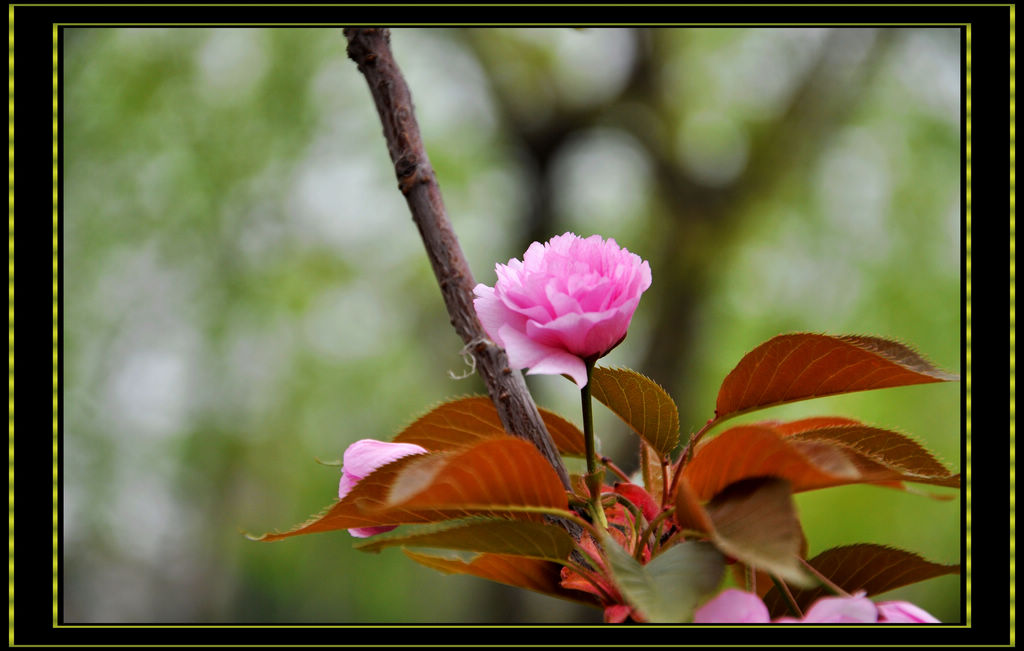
(362, 458)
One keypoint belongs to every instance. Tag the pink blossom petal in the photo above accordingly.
(584, 335)
(904, 612)
(571, 296)
(559, 363)
(733, 606)
(592, 296)
(360, 460)
(534, 256)
(348, 482)
(494, 314)
(524, 352)
(842, 610)
(366, 455)
(366, 532)
(560, 301)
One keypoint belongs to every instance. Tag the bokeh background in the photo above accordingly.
(245, 293)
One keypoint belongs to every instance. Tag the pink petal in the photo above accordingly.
(583, 335)
(569, 297)
(842, 610)
(348, 482)
(366, 532)
(494, 314)
(733, 606)
(366, 455)
(524, 352)
(560, 363)
(534, 256)
(903, 612)
(361, 459)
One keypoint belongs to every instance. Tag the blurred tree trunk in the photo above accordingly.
(696, 223)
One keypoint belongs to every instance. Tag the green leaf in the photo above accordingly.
(669, 588)
(641, 402)
(549, 542)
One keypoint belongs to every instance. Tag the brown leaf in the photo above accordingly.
(651, 469)
(641, 402)
(891, 450)
(762, 582)
(567, 437)
(690, 514)
(532, 574)
(497, 472)
(489, 477)
(463, 422)
(755, 522)
(872, 568)
(347, 513)
(453, 425)
(809, 460)
(805, 424)
(541, 540)
(757, 451)
(799, 366)
(578, 484)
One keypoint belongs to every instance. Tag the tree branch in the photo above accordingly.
(370, 49)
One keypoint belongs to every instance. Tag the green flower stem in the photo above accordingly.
(588, 421)
(595, 474)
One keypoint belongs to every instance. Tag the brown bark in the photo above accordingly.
(370, 49)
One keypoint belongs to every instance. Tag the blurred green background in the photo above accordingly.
(245, 293)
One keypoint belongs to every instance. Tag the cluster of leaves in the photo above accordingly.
(485, 503)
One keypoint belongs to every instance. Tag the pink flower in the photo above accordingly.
(855, 609)
(362, 458)
(903, 612)
(568, 300)
(734, 606)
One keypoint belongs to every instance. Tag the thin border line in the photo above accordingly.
(515, 24)
(529, 4)
(10, 323)
(1013, 337)
(56, 352)
(967, 489)
(57, 26)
